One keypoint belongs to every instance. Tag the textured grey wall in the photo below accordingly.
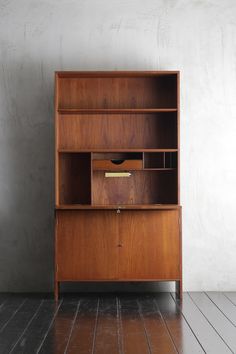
(196, 37)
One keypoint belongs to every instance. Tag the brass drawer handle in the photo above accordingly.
(117, 174)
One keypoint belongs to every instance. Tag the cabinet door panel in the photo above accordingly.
(87, 245)
(150, 245)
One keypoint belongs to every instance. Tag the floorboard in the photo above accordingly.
(3, 298)
(224, 305)
(133, 330)
(216, 318)
(181, 333)
(37, 329)
(231, 296)
(84, 330)
(210, 340)
(8, 309)
(16, 325)
(57, 336)
(107, 338)
(160, 341)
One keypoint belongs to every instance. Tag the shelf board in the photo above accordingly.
(159, 169)
(114, 110)
(121, 207)
(116, 150)
(136, 169)
(115, 73)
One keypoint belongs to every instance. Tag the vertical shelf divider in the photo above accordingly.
(91, 177)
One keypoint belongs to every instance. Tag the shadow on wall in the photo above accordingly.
(27, 177)
(27, 184)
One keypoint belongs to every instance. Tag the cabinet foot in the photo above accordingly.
(179, 290)
(56, 290)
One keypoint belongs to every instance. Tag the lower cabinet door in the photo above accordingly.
(106, 245)
(150, 244)
(86, 245)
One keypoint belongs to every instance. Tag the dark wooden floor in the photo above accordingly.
(137, 324)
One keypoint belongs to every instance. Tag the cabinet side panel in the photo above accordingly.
(56, 177)
(178, 132)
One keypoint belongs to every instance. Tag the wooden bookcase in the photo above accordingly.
(118, 213)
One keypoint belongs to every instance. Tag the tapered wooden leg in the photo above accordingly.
(56, 290)
(56, 283)
(179, 290)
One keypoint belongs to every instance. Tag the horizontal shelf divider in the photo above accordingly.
(159, 169)
(114, 110)
(136, 169)
(115, 150)
(115, 207)
(117, 280)
(116, 73)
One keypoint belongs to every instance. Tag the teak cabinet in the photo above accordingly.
(118, 214)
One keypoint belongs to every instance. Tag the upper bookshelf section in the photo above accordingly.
(117, 110)
(117, 139)
(111, 90)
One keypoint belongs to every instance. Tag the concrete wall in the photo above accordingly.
(196, 37)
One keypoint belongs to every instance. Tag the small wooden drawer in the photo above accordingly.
(117, 165)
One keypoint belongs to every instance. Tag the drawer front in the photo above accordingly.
(86, 245)
(109, 165)
(150, 244)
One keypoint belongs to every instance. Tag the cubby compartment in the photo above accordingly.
(160, 160)
(117, 161)
(110, 91)
(141, 187)
(116, 131)
(171, 160)
(75, 178)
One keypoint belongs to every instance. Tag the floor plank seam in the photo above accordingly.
(219, 309)
(179, 307)
(13, 315)
(49, 327)
(95, 327)
(30, 321)
(72, 327)
(229, 299)
(145, 329)
(166, 326)
(210, 323)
